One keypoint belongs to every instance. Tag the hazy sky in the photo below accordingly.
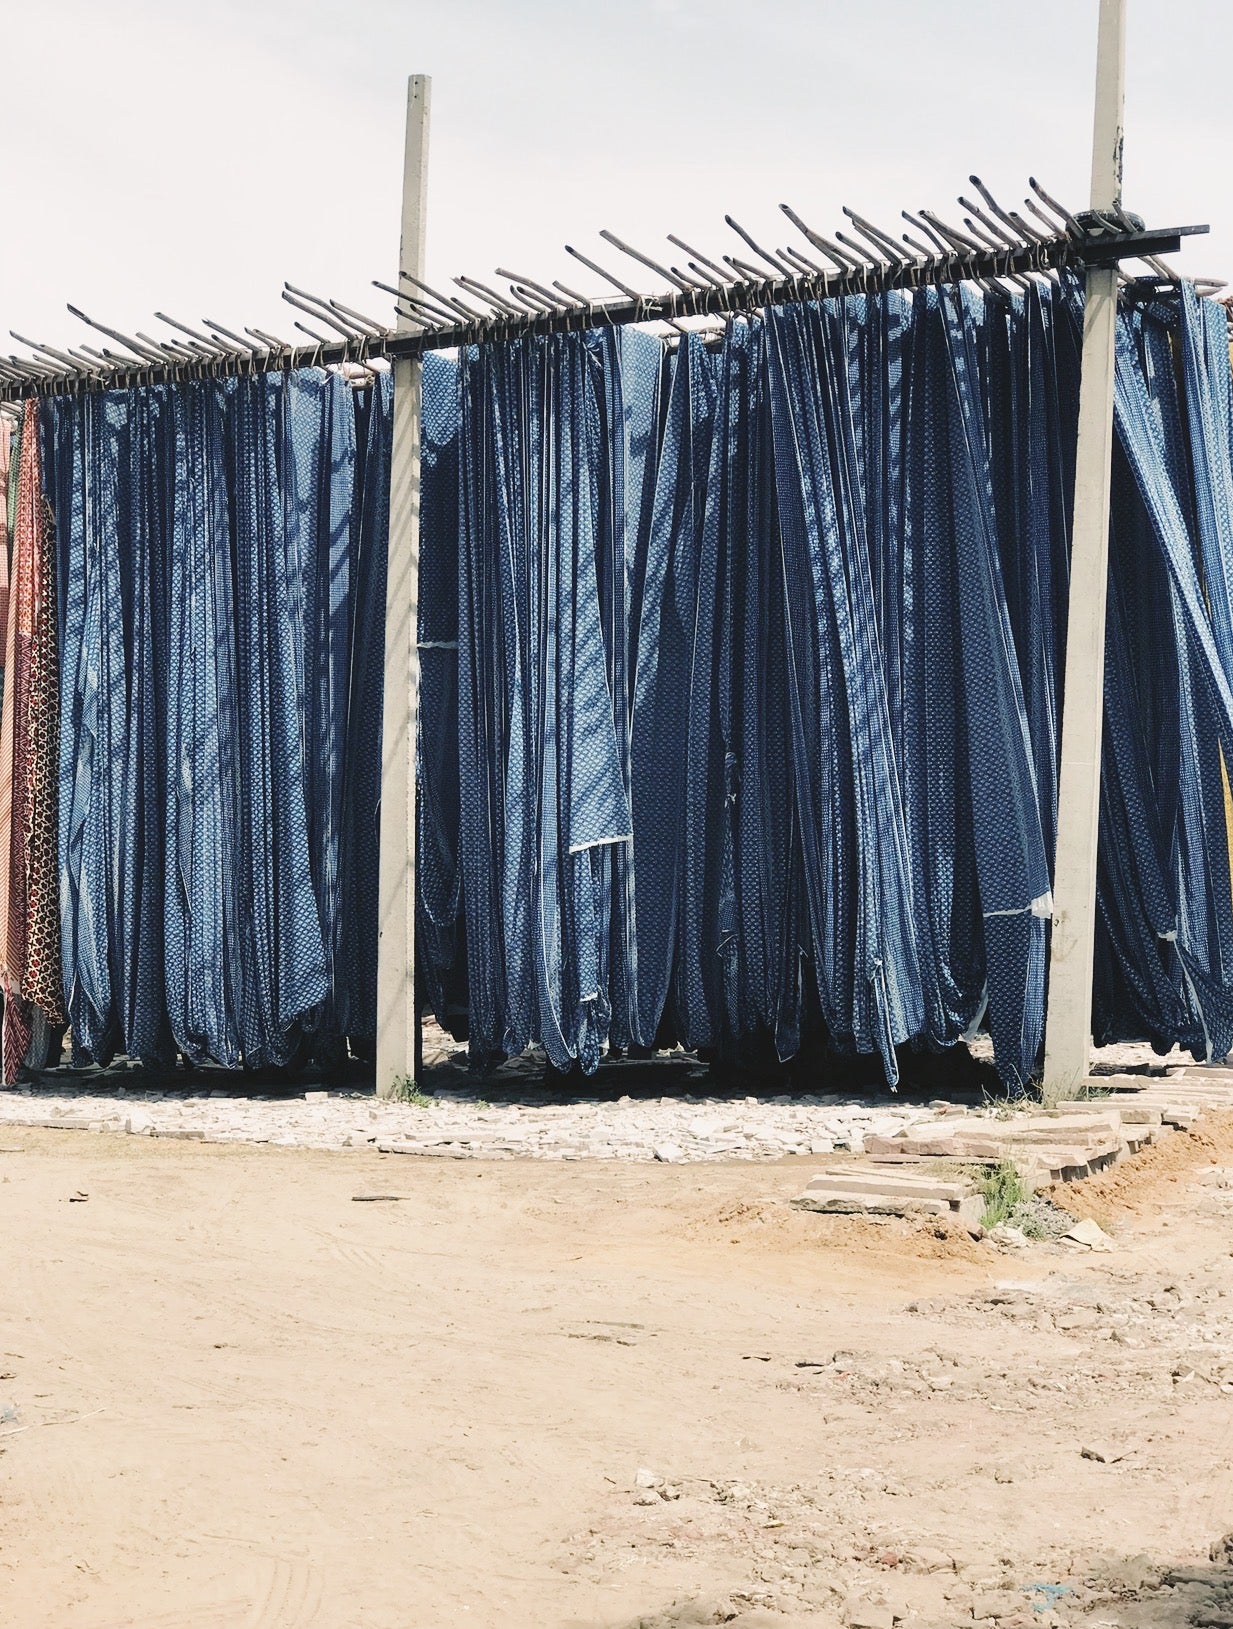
(189, 157)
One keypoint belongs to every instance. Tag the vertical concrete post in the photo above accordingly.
(1068, 1030)
(397, 1021)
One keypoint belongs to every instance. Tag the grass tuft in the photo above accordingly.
(404, 1090)
(1002, 1189)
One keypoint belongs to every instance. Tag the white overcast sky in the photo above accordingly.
(190, 156)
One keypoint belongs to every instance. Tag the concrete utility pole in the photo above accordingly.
(397, 1022)
(1068, 1030)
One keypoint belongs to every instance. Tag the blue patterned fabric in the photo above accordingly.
(245, 958)
(1166, 897)
(854, 838)
(740, 713)
(934, 749)
(112, 540)
(318, 481)
(739, 986)
(832, 605)
(1012, 868)
(356, 980)
(221, 620)
(626, 370)
(440, 938)
(540, 774)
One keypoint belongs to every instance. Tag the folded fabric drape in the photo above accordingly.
(740, 697)
(1165, 895)
(541, 785)
(854, 838)
(440, 935)
(318, 479)
(831, 608)
(370, 512)
(221, 621)
(663, 628)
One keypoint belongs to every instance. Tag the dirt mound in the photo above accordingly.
(768, 1224)
(1152, 1178)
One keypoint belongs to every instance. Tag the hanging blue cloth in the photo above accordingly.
(709, 982)
(189, 916)
(440, 941)
(663, 630)
(854, 840)
(318, 480)
(246, 962)
(1178, 481)
(626, 374)
(740, 692)
(933, 743)
(105, 456)
(1012, 868)
(1033, 374)
(1139, 990)
(540, 772)
(739, 943)
(359, 895)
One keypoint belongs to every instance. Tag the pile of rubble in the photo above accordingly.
(929, 1169)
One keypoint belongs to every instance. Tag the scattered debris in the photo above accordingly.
(870, 1191)
(1089, 1234)
(1040, 1218)
(517, 1114)
(377, 1198)
(1045, 1597)
(1043, 1147)
(515, 1117)
(1104, 1455)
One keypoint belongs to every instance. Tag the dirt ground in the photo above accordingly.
(231, 1397)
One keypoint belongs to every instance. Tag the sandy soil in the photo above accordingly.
(231, 1397)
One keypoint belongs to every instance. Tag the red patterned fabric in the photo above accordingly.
(29, 917)
(6, 449)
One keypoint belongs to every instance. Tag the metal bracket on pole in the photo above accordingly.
(1068, 1031)
(398, 1030)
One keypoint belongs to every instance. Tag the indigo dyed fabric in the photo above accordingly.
(832, 610)
(221, 574)
(740, 704)
(440, 936)
(541, 787)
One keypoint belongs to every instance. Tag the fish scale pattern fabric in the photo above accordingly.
(824, 663)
